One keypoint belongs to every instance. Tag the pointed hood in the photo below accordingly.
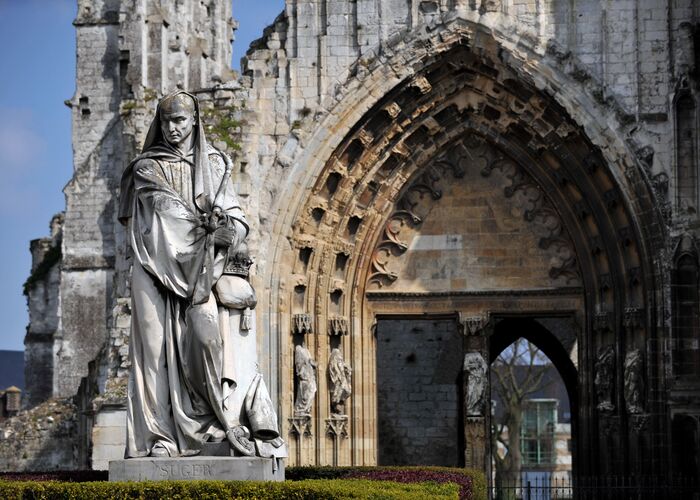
(156, 147)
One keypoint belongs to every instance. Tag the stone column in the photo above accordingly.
(477, 401)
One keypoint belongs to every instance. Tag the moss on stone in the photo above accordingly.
(52, 257)
(222, 125)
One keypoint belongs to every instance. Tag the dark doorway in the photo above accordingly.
(419, 396)
(685, 446)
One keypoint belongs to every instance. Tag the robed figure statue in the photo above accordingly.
(193, 376)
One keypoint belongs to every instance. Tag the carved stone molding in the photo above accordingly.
(605, 282)
(609, 425)
(337, 326)
(638, 423)
(337, 427)
(302, 323)
(422, 84)
(602, 322)
(539, 211)
(392, 109)
(474, 325)
(300, 426)
(632, 318)
(411, 209)
(404, 216)
(490, 6)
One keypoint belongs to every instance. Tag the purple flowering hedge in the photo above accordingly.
(472, 483)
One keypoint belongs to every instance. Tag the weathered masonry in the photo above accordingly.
(428, 179)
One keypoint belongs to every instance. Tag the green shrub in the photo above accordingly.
(212, 490)
(471, 481)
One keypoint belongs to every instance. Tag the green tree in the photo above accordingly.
(517, 373)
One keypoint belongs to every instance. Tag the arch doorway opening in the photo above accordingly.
(533, 399)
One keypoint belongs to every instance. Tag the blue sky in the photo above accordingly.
(35, 139)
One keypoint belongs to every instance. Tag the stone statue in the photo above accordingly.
(305, 372)
(634, 382)
(604, 378)
(193, 375)
(475, 369)
(340, 375)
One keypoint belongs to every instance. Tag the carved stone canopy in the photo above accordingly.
(300, 426)
(337, 427)
(302, 324)
(337, 326)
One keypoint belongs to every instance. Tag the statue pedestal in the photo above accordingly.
(196, 468)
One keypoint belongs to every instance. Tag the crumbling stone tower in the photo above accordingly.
(129, 52)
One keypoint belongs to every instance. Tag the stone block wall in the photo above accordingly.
(419, 364)
(475, 238)
(108, 437)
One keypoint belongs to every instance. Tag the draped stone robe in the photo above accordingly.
(177, 347)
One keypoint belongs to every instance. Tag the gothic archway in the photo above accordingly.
(464, 105)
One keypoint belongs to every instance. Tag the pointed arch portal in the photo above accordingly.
(465, 189)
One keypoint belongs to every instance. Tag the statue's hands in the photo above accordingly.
(223, 237)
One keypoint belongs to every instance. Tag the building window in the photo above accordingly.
(537, 436)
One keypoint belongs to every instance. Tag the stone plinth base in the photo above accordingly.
(212, 467)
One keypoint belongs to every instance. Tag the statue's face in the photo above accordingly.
(177, 119)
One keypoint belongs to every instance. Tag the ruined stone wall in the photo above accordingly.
(42, 292)
(625, 72)
(419, 392)
(627, 55)
(43, 438)
(617, 69)
(128, 53)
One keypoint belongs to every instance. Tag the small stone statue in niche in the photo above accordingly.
(305, 374)
(475, 369)
(193, 376)
(604, 373)
(340, 375)
(634, 382)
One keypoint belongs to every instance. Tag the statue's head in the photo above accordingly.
(177, 118)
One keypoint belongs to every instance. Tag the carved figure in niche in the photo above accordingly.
(193, 375)
(604, 377)
(634, 381)
(305, 373)
(340, 375)
(475, 370)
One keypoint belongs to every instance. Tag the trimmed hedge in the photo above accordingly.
(472, 482)
(214, 490)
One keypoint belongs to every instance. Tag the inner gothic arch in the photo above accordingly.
(462, 95)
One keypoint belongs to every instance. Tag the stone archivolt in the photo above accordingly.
(465, 103)
(472, 94)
